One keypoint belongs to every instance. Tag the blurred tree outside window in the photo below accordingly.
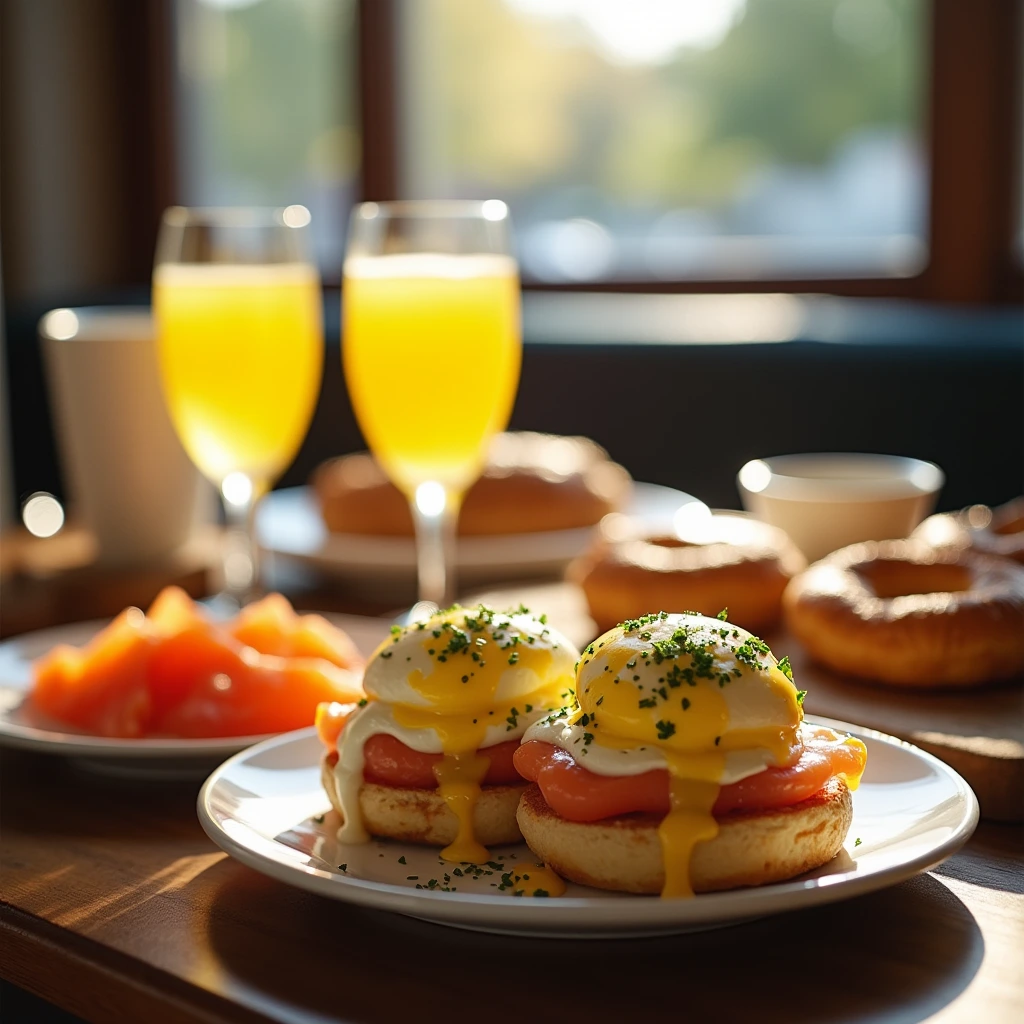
(665, 139)
(267, 96)
(635, 140)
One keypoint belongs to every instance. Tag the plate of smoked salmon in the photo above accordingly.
(172, 691)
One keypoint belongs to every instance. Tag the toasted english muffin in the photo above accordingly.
(751, 848)
(422, 816)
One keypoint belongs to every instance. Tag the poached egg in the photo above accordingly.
(697, 696)
(455, 684)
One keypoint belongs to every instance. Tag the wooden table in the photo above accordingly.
(115, 905)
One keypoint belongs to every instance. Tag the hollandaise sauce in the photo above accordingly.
(457, 684)
(532, 880)
(688, 823)
(696, 696)
(459, 774)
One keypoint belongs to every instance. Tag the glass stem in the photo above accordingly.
(435, 512)
(241, 553)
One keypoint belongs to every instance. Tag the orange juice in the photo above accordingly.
(241, 355)
(431, 351)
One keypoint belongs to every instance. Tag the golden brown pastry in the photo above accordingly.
(532, 483)
(905, 613)
(992, 531)
(744, 565)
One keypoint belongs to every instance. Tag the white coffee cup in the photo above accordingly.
(826, 501)
(128, 477)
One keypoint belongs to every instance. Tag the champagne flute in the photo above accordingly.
(431, 349)
(238, 311)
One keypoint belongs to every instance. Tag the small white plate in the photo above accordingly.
(289, 525)
(23, 726)
(265, 806)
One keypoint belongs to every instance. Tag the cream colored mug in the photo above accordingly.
(127, 475)
(825, 501)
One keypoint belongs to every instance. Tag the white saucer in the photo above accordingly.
(265, 806)
(288, 525)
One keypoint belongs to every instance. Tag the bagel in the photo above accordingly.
(532, 483)
(741, 564)
(422, 816)
(907, 614)
(991, 531)
(751, 848)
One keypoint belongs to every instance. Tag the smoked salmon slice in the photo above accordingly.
(576, 794)
(390, 762)
(175, 672)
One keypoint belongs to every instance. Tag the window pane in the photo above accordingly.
(641, 139)
(267, 108)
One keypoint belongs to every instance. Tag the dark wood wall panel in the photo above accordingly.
(974, 124)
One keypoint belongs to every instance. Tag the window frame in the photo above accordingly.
(973, 123)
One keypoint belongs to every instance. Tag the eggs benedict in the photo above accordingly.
(427, 755)
(684, 765)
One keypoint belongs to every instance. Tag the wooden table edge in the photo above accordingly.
(101, 984)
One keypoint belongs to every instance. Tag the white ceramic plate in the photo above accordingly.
(265, 807)
(22, 726)
(288, 524)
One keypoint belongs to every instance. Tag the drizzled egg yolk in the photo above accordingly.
(696, 690)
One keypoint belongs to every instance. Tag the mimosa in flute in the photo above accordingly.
(241, 357)
(432, 360)
(431, 349)
(240, 344)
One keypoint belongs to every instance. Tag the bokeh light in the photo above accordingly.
(755, 476)
(42, 514)
(237, 489)
(296, 216)
(430, 498)
(61, 324)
